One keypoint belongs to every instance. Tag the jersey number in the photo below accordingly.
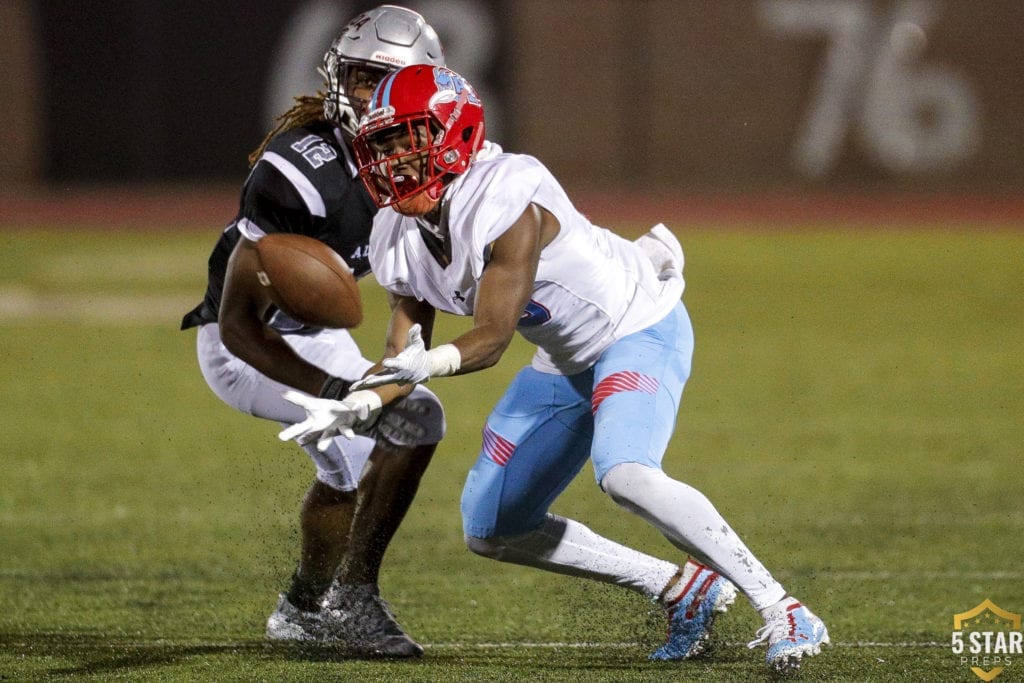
(314, 150)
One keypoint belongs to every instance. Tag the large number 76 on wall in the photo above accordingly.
(909, 117)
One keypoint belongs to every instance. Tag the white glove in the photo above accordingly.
(414, 365)
(327, 418)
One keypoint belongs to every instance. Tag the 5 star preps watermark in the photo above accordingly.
(988, 639)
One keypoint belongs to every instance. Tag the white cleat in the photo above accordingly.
(792, 632)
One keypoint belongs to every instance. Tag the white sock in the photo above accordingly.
(777, 609)
(567, 547)
(678, 584)
(692, 524)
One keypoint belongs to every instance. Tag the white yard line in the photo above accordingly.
(250, 645)
(991, 575)
(18, 303)
(889, 576)
(583, 646)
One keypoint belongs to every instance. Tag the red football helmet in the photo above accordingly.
(423, 125)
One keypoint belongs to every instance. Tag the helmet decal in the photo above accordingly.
(353, 27)
(382, 94)
(446, 79)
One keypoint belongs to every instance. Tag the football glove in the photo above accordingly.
(328, 418)
(414, 365)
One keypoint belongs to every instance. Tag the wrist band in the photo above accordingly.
(444, 360)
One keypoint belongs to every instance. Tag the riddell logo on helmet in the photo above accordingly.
(382, 114)
(385, 58)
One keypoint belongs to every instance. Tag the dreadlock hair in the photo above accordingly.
(307, 109)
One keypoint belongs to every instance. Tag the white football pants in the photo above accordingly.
(244, 388)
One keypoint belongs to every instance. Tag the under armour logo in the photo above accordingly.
(457, 297)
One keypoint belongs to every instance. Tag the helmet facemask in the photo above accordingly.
(423, 128)
(400, 164)
(344, 77)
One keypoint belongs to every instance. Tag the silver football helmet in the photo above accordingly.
(371, 45)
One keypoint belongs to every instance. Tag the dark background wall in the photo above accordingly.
(153, 90)
(767, 93)
(660, 95)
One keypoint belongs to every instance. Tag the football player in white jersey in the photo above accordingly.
(303, 180)
(495, 237)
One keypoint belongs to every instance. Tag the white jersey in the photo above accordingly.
(592, 287)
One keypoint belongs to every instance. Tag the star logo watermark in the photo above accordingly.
(987, 638)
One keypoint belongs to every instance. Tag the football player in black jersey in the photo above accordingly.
(303, 180)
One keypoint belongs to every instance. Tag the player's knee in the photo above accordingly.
(625, 483)
(501, 548)
(416, 420)
(529, 547)
(514, 546)
(492, 548)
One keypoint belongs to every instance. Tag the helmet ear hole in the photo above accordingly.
(467, 133)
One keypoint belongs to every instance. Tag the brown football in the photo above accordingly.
(309, 281)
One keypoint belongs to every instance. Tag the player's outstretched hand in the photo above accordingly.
(411, 366)
(327, 418)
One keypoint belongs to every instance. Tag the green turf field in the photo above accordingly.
(855, 412)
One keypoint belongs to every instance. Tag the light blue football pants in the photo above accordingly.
(545, 427)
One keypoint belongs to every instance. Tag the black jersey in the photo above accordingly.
(304, 183)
